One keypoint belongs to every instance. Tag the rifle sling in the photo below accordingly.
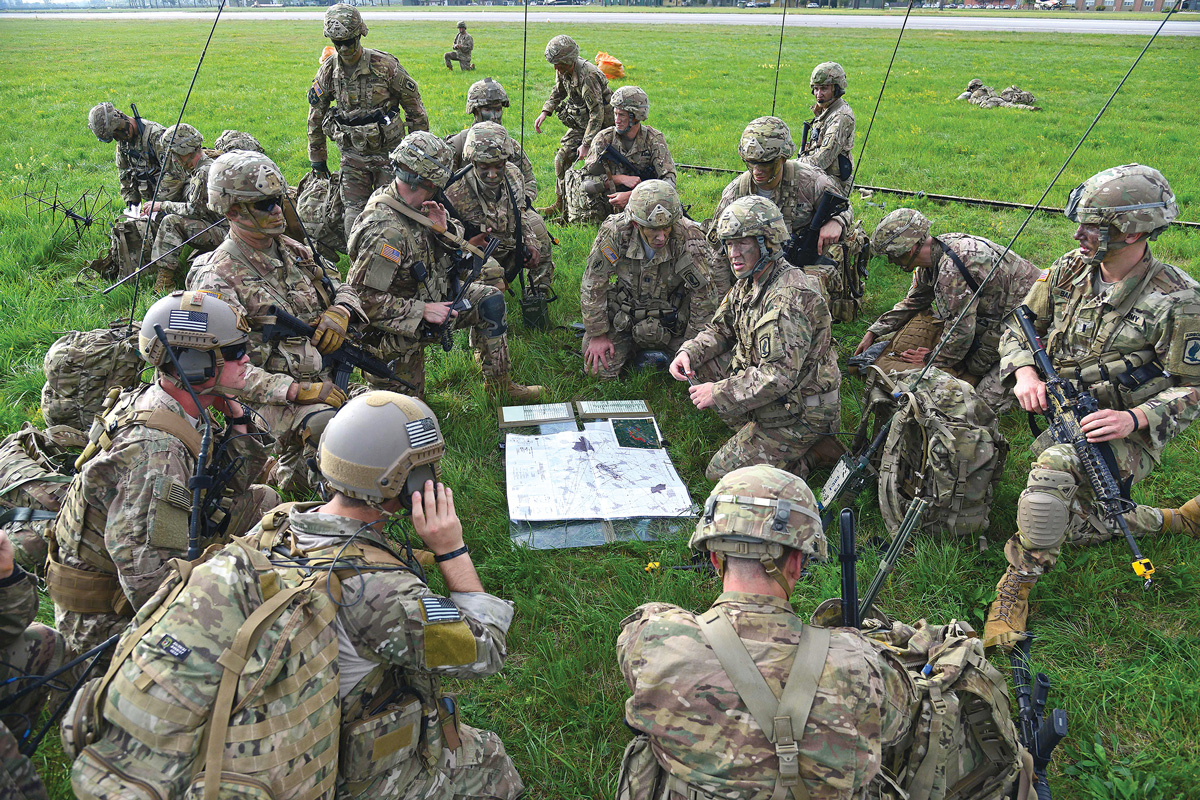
(426, 222)
(962, 268)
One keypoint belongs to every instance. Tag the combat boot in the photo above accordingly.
(552, 211)
(517, 391)
(1185, 519)
(1007, 616)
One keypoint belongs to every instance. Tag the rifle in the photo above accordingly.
(1066, 406)
(912, 520)
(445, 331)
(343, 360)
(848, 555)
(801, 250)
(849, 476)
(614, 156)
(1038, 738)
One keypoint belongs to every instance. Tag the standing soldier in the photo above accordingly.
(1124, 326)
(257, 267)
(370, 88)
(651, 283)
(828, 140)
(461, 50)
(771, 343)
(581, 98)
(139, 153)
(602, 187)
(404, 272)
(947, 271)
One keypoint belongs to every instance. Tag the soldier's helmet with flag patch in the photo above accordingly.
(766, 139)
(1131, 199)
(562, 49)
(898, 232)
(243, 176)
(423, 156)
(198, 326)
(654, 204)
(487, 142)
(183, 139)
(236, 140)
(381, 445)
(827, 73)
(343, 21)
(753, 216)
(633, 101)
(104, 120)
(487, 92)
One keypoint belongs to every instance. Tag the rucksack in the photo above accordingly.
(944, 445)
(127, 249)
(321, 210)
(82, 366)
(35, 467)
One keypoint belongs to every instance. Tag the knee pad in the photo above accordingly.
(1044, 508)
(494, 314)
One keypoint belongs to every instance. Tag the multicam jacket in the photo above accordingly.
(518, 158)
(194, 203)
(831, 135)
(139, 162)
(648, 149)
(491, 209)
(581, 99)
(463, 43)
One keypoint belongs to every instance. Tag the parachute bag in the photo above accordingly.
(611, 67)
(35, 467)
(82, 366)
(322, 212)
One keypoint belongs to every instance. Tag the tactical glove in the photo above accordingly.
(323, 392)
(321, 168)
(331, 329)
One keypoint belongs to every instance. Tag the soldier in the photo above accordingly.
(230, 140)
(986, 97)
(652, 282)
(828, 140)
(370, 88)
(705, 722)
(770, 342)
(947, 271)
(602, 187)
(139, 155)
(126, 513)
(581, 98)
(399, 230)
(461, 50)
(1125, 326)
(257, 267)
(380, 456)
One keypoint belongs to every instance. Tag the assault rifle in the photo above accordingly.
(519, 256)
(1066, 407)
(848, 555)
(460, 304)
(801, 249)
(1039, 733)
(380, 116)
(614, 156)
(343, 360)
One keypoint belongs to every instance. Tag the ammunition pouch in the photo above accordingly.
(369, 132)
(296, 356)
(1117, 380)
(84, 591)
(381, 741)
(650, 333)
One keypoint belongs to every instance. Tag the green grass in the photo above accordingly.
(1124, 661)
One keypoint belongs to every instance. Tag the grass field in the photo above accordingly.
(1124, 661)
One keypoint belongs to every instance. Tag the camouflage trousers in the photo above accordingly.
(18, 778)
(37, 651)
(297, 431)
(30, 545)
(463, 59)
(541, 276)
(624, 347)
(361, 175)
(1085, 525)
(567, 155)
(176, 229)
(786, 447)
(585, 207)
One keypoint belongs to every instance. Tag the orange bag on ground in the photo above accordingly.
(611, 67)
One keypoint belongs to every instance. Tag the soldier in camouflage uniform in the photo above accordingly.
(380, 456)
(701, 731)
(652, 281)
(986, 97)
(947, 270)
(370, 89)
(461, 50)
(780, 388)
(1126, 326)
(828, 141)
(581, 98)
(230, 140)
(401, 227)
(257, 267)
(126, 513)
(139, 155)
(602, 186)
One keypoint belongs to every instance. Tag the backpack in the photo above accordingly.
(844, 279)
(321, 210)
(944, 444)
(82, 366)
(127, 249)
(35, 467)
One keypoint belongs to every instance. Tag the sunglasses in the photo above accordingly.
(234, 352)
(345, 42)
(267, 204)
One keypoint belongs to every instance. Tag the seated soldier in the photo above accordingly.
(139, 150)
(603, 184)
(652, 282)
(947, 271)
(829, 139)
(771, 345)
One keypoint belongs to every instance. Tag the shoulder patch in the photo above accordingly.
(314, 93)
(609, 253)
(438, 610)
(410, 84)
(1045, 274)
(390, 253)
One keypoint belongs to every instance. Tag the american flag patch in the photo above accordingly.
(421, 432)
(1045, 274)
(439, 609)
(609, 253)
(390, 253)
(195, 321)
(320, 90)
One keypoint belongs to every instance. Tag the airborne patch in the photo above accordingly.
(609, 254)
(1191, 350)
(390, 253)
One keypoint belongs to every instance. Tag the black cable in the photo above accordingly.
(524, 52)
(871, 124)
(778, 56)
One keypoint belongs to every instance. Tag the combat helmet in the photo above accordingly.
(654, 204)
(487, 92)
(198, 327)
(632, 100)
(422, 156)
(104, 120)
(381, 445)
(242, 176)
(462, 23)
(183, 139)
(827, 73)
(236, 140)
(1129, 199)
(766, 139)
(974, 84)
(758, 217)
(488, 142)
(761, 512)
(562, 49)
(343, 22)
(898, 232)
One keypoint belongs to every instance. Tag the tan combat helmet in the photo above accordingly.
(462, 23)
(766, 139)
(633, 101)
(761, 513)
(198, 326)
(898, 232)
(487, 92)
(421, 156)
(242, 176)
(562, 49)
(1123, 201)
(487, 142)
(974, 84)
(827, 73)
(236, 140)
(105, 121)
(381, 445)
(654, 204)
(183, 139)
(343, 22)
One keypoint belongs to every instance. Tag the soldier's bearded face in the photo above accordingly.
(824, 94)
(743, 254)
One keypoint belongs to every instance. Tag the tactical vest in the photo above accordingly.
(81, 368)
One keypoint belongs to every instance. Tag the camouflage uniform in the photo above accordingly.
(626, 290)
(699, 726)
(986, 97)
(384, 636)
(461, 50)
(648, 149)
(490, 209)
(519, 159)
(830, 140)
(581, 100)
(781, 385)
(139, 162)
(125, 515)
(187, 218)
